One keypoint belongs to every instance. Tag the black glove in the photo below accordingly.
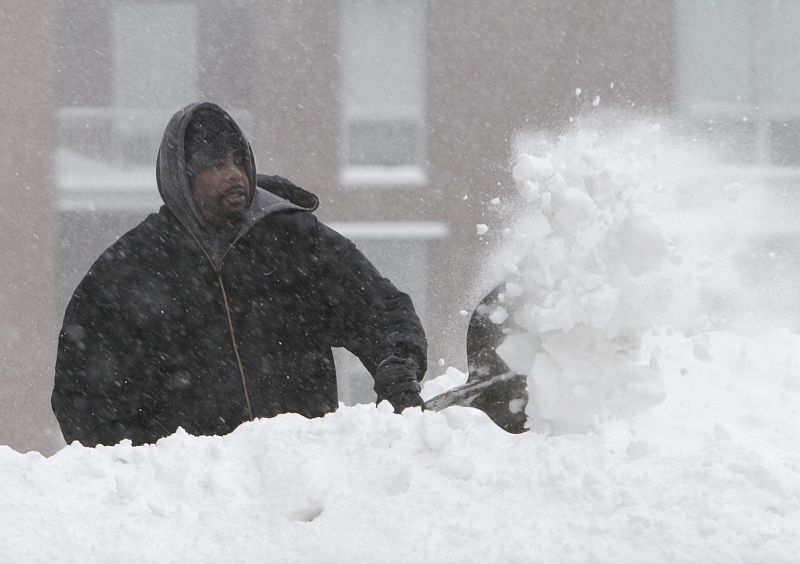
(396, 381)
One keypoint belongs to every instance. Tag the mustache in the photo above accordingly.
(235, 188)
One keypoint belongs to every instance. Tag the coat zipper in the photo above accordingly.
(235, 346)
(230, 323)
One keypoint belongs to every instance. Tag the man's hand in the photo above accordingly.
(405, 399)
(396, 381)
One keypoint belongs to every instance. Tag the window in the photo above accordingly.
(383, 91)
(154, 55)
(740, 76)
(106, 152)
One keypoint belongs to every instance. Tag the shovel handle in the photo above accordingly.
(465, 394)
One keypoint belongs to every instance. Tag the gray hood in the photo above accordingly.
(173, 185)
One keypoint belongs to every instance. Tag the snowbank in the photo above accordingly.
(712, 474)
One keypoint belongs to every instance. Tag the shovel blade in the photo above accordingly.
(491, 386)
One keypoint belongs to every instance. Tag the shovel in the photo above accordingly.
(491, 385)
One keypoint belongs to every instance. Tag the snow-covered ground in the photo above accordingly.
(664, 402)
(711, 474)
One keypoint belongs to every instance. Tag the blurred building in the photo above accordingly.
(399, 114)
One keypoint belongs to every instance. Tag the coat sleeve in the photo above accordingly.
(95, 399)
(367, 314)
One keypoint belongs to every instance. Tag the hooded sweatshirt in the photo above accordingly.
(172, 176)
(180, 325)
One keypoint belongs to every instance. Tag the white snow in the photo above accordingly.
(663, 404)
(710, 474)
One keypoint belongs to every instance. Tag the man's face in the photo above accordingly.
(222, 190)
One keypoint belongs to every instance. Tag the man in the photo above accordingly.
(224, 305)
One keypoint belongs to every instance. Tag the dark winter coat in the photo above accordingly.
(162, 332)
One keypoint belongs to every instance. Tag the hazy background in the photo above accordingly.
(400, 114)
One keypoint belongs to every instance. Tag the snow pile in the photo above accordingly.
(712, 474)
